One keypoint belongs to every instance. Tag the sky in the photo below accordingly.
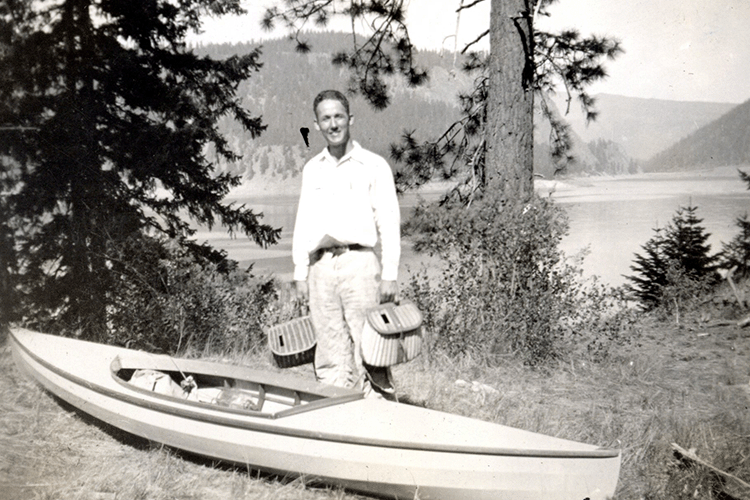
(682, 50)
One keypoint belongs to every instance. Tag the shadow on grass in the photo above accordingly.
(278, 479)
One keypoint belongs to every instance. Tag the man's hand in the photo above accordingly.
(303, 292)
(388, 291)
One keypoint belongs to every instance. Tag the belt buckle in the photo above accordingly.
(338, 250)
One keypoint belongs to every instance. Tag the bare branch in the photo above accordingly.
(468, 6)
(475, 41)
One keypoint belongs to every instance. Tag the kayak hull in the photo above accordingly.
(326, 434)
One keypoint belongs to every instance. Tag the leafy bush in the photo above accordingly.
(175, 297)
(676, 268)
(167, 300)
(505, 286)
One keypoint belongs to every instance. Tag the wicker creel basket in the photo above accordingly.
(293, 342)
(392, 334)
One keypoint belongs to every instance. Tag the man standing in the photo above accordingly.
(347, 205)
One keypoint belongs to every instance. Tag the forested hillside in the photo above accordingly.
(723, 142)
(643, 127)
(600, 156)
(283, 91)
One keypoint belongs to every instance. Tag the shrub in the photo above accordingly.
(505, 286)
(167, 300)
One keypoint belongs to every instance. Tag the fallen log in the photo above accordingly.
(690, 455)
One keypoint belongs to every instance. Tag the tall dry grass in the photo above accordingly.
(686, 386)
(674, 385)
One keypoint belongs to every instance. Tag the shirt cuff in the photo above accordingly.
(300, 273)
(389, 273)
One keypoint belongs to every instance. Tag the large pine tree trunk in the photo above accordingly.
(7, 256)
(86, 277)
(510, 123)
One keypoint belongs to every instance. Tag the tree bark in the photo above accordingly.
(86, 276)
(510, 107)
(7, 257)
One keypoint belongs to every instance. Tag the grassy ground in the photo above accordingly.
(686, 386)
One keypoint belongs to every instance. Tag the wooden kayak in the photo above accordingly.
(287, 424)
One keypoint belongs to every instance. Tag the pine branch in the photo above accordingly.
(475, 41)
(468, 6)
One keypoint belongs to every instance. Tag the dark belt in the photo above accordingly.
(336, 251)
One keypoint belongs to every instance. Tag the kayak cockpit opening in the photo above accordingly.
(228, 388)
(221, 392)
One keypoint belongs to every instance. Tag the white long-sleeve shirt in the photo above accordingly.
(344, 202)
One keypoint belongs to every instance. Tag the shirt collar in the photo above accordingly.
(325, 155)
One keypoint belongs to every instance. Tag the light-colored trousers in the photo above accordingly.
(342, 288)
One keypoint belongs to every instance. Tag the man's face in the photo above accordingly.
(333, 122)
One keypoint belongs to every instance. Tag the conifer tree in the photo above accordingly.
(686, 242)
(677, 257)
(109, 115)
(651, 272)
(735, 255)
(7, 250)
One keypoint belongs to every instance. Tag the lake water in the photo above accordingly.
(612, 216)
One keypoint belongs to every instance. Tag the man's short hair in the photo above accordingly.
(333, 95)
